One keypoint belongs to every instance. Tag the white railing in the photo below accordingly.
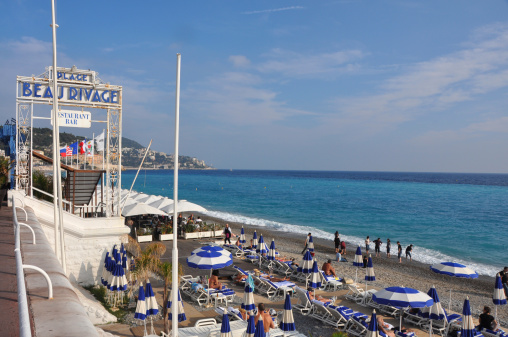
(24, 318)
(81, 209)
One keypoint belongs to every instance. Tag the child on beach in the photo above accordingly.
(409, 249)
(388, 246)
(399, 251)
(367, 244)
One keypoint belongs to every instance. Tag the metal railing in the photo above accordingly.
(24, 317)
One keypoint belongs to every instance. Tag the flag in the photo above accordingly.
(82, 147)
(74, 148)
(89, 148)
(100, 141)
(66, 151)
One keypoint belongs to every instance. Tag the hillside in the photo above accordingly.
(132, 151)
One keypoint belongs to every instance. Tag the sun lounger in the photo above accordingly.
(414, 318)
(492, 333)
(233, 314)
(272, 289)
(283, 268)
(385, 309)
(327, 315)
(443, 326)
(235, 250)
(304, 304)
(358, 295)
(252, 258)
(343, 314)
(356, 327)
(403, 334)
(329, 282)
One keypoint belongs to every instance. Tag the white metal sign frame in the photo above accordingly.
(76, 88)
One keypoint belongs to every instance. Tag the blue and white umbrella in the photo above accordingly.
(358, 261)
(288, 322)
(310, 244)
(181, 313)
(114, 254)
(105, 270)
(140, 312)
(468, 328)
(271, 251)
(242, 237)
(315, 277)
(373, 330)
(499, 297)
(225, 328)
(248, 299)
(152, 308)
(251, 327)
(260, 328)
(261, 249)
(402, 297)
(255, 240)
(307, 263)
(125, 265)
(369, 276)
(455, 270)
(210, 257)
(435, 311)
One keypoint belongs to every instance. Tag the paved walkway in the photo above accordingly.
(9, 320)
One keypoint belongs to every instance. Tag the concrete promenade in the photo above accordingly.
(9, 320)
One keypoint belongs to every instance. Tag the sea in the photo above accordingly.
(457, 217)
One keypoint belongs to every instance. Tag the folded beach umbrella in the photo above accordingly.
(105, 270)
(125, 265)
(140, 312)
(114, 254)
(181, 313)
(499, 297)
(255, 240)
(310, 244)
(261, 249)
(307, 260)
(435, 311)
(373, 330)
(152, 308)
(271, 251)
(225, 328)
(251, 327)
(369, 276)
(468, 328)
(242, 237)
(402, 297)
(315, 277)
(248, 299)
(287, 323)
(358, 261)
(260, 328)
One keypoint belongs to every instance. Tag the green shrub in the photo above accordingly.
(44, 183)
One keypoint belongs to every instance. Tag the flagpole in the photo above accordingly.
(174, 281)
(57, 171)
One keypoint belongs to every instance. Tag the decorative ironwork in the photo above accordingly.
(24, 145)
(113, 160)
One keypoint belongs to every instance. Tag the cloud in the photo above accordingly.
(481, 66)
(293, 64)
(239, 61)
(264, 11)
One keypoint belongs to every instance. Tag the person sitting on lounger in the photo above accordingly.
(237, 243)
(328, 269)
(320, 298)
(384, 327)
(487, 321)
(214, 283)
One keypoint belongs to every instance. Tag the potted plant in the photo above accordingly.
(167, 233)
(5, 167)
(144, 234)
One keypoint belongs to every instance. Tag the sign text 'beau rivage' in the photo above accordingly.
(75, 87)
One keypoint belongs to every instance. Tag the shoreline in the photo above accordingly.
(389, 272)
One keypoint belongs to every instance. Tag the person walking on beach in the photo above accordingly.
(409, 249)
(388, 246)
(504, 280)
(306, 242)
(337, 242)
(343, 247)
(367, 244)
(227, 234)
(399, 251)
(377, 246)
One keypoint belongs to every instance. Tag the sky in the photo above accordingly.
(386, 85)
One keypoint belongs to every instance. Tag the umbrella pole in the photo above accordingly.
(152, 331)
(430, 329)
(496, 312)
(144, 322)
(450, 302)
(400, 322)
(356, 276)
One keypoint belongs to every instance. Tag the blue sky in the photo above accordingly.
(325, 85)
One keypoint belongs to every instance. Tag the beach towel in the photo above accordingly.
(250, 282)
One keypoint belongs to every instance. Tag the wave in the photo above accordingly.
(420, 254)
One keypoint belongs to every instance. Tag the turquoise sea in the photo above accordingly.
(447, 216)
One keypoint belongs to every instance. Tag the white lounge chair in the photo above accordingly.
(329, 282)
(356, 327)
(325, 315)
(357, 294)
(304, 304)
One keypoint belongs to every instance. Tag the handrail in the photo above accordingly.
(33, 233)
(24, 317)
(46, 276)
(26, 214)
